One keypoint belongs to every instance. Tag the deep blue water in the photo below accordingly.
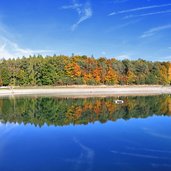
(128, 143)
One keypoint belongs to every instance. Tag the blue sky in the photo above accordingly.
(112, 28)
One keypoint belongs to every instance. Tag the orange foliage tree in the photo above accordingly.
(73, 70)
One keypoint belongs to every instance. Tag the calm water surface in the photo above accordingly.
(92, 134)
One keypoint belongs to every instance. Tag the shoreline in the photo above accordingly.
(88, 91)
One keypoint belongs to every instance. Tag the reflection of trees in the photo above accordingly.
(61, 111)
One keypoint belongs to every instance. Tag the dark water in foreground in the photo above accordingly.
(60, 134)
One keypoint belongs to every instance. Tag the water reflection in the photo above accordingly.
(85, 158)
(64, 111)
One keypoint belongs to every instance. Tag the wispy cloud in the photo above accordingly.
(10, 49)
(123, 25)
(141, 155)
(122, 57)
(85, 158)
(84, 12)
(139, 9)
(75, 6)
(159, 135)
(147, 14)
(165, 58)
(155, 30)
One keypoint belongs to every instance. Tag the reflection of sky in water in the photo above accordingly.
(85, 158)
(5, 134)
(137, 144)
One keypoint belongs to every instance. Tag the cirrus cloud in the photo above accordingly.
(84, 12)
(139, 9)
(155, 30)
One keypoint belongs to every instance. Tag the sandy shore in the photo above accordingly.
(89, 91)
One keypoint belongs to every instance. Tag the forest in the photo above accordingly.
(63, 111)
(79, 70)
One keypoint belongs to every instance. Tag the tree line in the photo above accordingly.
(78, 70)
(64, 111)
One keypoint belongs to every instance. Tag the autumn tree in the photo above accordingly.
(65, 70)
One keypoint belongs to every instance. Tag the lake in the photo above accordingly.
(85, 134)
